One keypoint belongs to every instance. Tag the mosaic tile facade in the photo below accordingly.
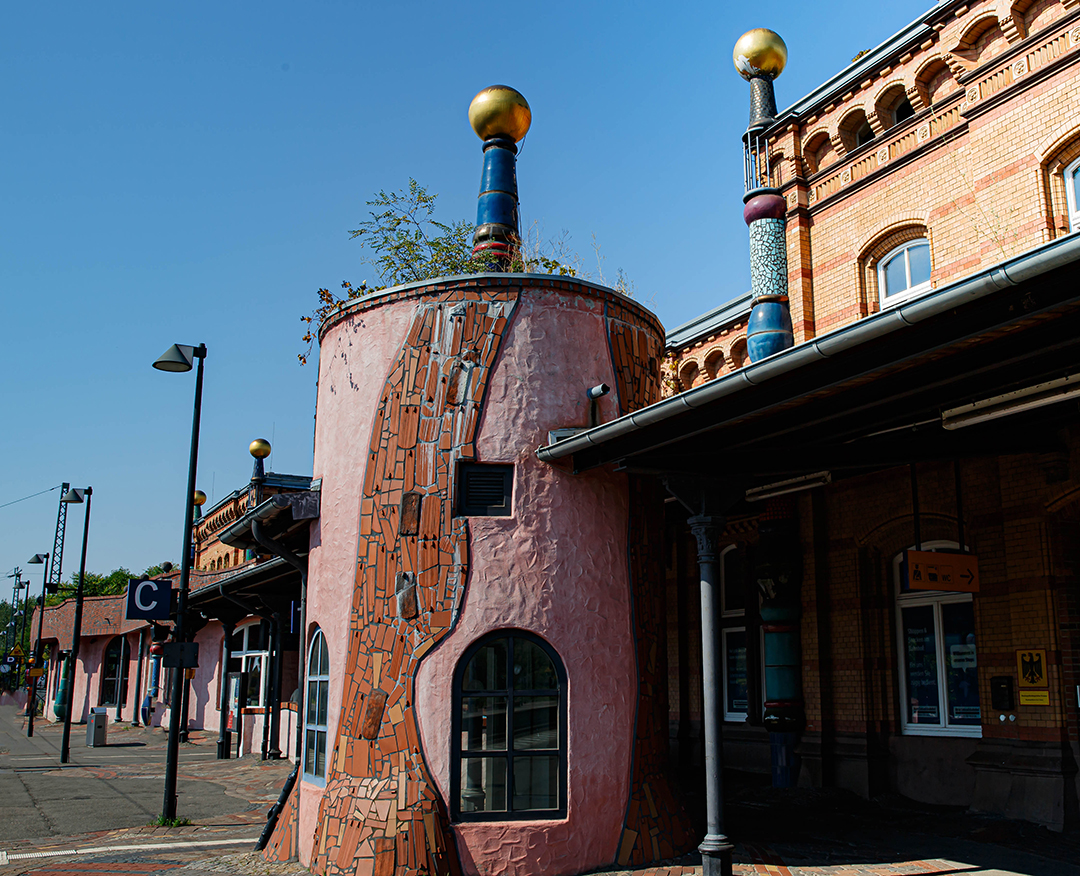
(381, 813)
(636, 343)
(768, 257)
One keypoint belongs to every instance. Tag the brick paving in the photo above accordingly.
(801, 832)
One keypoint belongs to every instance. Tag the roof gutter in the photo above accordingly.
(1011, 272)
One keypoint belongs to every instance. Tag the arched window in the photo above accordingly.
(904, 272)
(249, 655)
(315, 708)
(508, 743)
(939, 685)
(1072, 194)
(902, 111)
(114, 673)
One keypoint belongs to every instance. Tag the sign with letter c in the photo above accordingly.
(149, 599)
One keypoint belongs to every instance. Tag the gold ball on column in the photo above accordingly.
(200, 498)
(259, 448)
(760, 52)
(500, 110)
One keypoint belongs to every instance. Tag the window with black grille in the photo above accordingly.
(484, 490)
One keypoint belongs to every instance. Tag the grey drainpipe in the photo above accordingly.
(278, 550)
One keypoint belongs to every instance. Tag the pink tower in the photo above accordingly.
(487, 625)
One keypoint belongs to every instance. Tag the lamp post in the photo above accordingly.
(31, 694)
(75, 497)
(179, 358)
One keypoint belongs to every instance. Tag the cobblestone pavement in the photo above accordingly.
(799, 832)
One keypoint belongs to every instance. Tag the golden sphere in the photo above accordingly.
(200, 498)
(499, 110)
(760, 52)
(259, 448)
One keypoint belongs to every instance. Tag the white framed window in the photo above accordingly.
(904, 272)
(316, 708)
(1072, 194)
(732, 583)
(736, 687)
(249, 654)
(939, 685)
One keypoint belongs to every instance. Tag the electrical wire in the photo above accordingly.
(24, 498)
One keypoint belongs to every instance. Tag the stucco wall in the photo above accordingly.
(556, 568)
(353, 361)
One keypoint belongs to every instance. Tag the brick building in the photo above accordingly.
(931, 193)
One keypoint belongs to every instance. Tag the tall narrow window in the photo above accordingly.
(509, 731)
(1072, 194)
(114, 676)
(904, 272)
(939, 685)
(315, 708)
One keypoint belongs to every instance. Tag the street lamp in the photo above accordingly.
(75, 497)
(31, 699)
(179, 358)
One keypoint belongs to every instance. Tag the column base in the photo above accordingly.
(716, 852)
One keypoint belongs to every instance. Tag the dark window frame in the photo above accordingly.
(509, 755)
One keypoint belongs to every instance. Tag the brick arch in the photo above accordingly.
(776, 169)
(738, 354)
(849, 125)
(1055, 153)
(714, 362)
(882, 243)
(688, 373)
(929, 83)
(818, 149)
(886, 100)
(967, 46)
(897, 533)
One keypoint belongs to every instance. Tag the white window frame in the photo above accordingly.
(1072, 196)
(886, 300)
(936, 598)
(734, 717)
(311, 722)
(244, 655)
(722, 562)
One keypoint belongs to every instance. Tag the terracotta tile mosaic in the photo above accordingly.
(380, 813)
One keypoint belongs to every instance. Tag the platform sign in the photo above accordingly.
(35, 673)
(1034, 684)
(934, 570)
(149, 599)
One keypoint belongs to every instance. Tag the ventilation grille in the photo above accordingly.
(485, 490)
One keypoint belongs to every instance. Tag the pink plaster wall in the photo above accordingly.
(557, 568)
(353, 359)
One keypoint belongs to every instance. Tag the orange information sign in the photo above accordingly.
(35, 673)
(933, 570)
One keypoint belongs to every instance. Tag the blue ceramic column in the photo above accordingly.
(759, 56)
(500, 116)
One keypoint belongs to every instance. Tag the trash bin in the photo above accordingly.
(96, 726)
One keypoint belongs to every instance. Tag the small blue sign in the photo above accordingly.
(149, 599)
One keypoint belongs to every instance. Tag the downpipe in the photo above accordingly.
(275, 810)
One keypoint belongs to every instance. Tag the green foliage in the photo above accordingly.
(409, 245)
(162, 821)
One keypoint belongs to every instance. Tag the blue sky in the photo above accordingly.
(188, 173)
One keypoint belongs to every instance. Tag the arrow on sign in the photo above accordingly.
(967, 576)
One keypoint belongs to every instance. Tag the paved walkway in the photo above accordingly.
(92, 817)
